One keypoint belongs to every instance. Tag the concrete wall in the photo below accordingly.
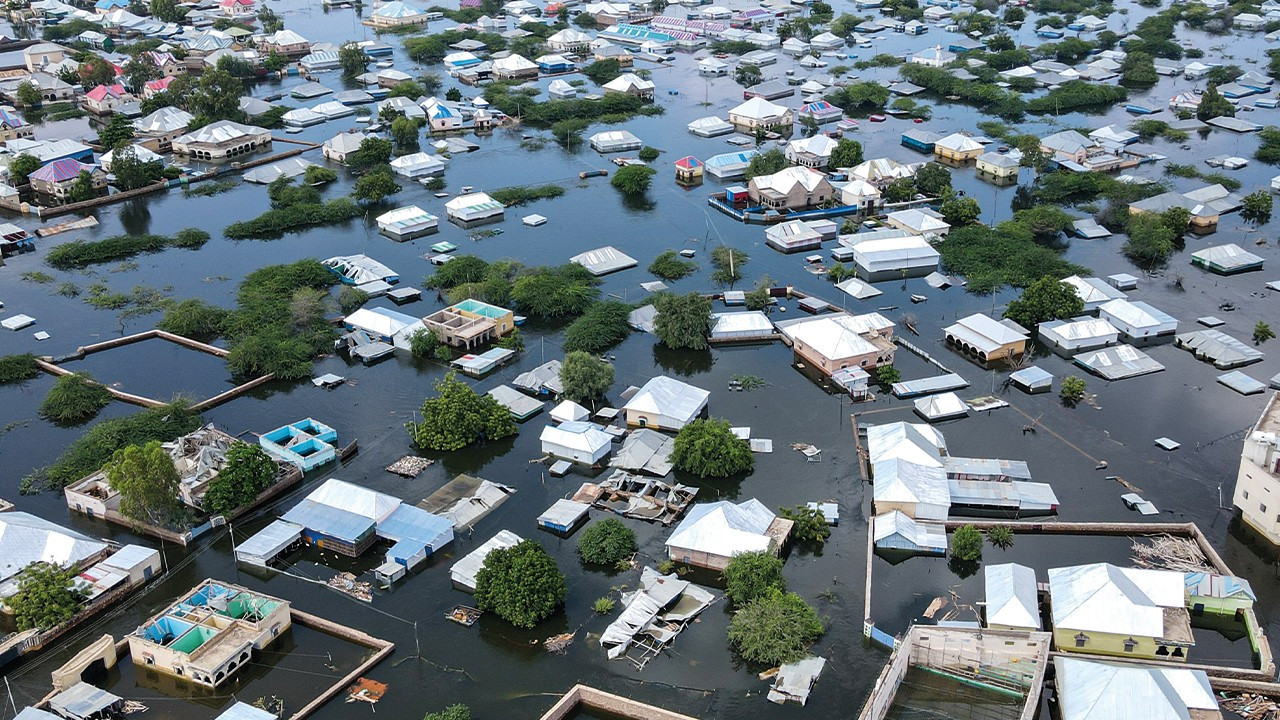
(582, 697)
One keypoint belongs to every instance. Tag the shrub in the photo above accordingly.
(190, 239)
(74, 398)
(193, 318)
(1262, 332)
(649, 154)
(966, 544)
(774, 629)
(810, 524)
(1001, 536)
(669, 266)
(275, 223)
(603, 606)
(751, 575)
(887, 375)
(351, 299)
(706, 447)
(559, 291)
(606, 543)
(458, 416)
(1071, 390)
(602, 326)
(633, 179)
(1045, 299)
(683, 321)
(521, 194)
(248, 473)
(47, 596)
(585, 377)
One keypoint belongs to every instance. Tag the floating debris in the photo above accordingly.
(347, 583)
(366, 690)
(559, 643)
(1169, 552)
(1251, 706)
(747, 382)
(133, 706)
(410, 466)
(464, 615)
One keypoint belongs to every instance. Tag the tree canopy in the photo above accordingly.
(148, 483)
(74, 398)
(248, 472)
(1045, 299)
(633, 179)
(706, 447)
(607, 542)
(520, 584)
(557, 291)
(458, 416)
(751, 575)
(683, 321)
(775, 628)
(47, 596)
(585, 377)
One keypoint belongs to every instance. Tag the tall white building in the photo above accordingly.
(1257, 494)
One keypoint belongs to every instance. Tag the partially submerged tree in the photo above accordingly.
(751, 575)
(810, 524)
(607, 542)
(585, 377)
(774, 629)
(966, 544)
(1071, 391)
(707, 447)
(458, 416)
(520, 584)
(148, 484)
(1045, 299)
(47, 596)
(74, 398)
(683, 321)
(249, 471)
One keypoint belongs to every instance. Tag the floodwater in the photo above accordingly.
(927, 695)
(501, 671)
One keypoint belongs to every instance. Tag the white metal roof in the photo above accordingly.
(355, 499)
(899, 481)
(833, 336)
(25, 538)
(1011, 596)
(569, 411)
(915, 442)
(670, 397)
(1136, 315)
(723, 528)
(941, 406)
(1090, 690)
(752, 321)
(576, 435)
(1121, 601)
(464, 571)
(984, 333)
(757, 108)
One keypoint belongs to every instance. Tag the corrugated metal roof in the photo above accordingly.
(899, 481)
(25, 538)
(1121, 601)
(669, 397)
(82, 700)
(563, 513)
(245, 711)
(269, 541)
(723, 528)
(1010, 591)
(464, 571)
(1091, 690)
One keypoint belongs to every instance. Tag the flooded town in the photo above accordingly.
(879, 359)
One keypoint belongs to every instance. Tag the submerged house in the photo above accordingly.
(26, 539)
(306, 444)
(1102, 609)
(895, 531)
(792, 188)
(470, 323)
(760, 114)
(1078, 334)
(665, 403)
(838, 341)
(474, 208)
(211, 632)
(712, 533)
(1011, 597)
(577, 441)
(653, 615)
(987, 340)
(1094, 690)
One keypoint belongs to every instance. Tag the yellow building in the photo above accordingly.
(1101, 609)
(997, 165)
(470, 323)
(957, 147)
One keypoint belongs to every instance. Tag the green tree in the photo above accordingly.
(249, 471)
(960, 211)
(319, 175)
(633, 179)
(453, 712)
(274, 62)
(933, 180)
(140, 69)
(848, 153)
(1257, 206)
(683, 321)
(521, 584)
(513, 341)
(766, 163)
(374, 186)
(1071, 391)
(602, 326)
(21, 167)
(607, 542)
(1151, 241)
(407, 89)
(585, 377)
(215, 97)
(352, 59)
(74, 398)
(47, 596)
(131, 172)
(649, 154)
(453, 94)
(966, 544)
(728, 264)
(1262, 332)
(668, 266)
(1213, 104)
(602, 71)
(167, 11)
(560, 291)
(405, 134)
(148, 483)
(82, 187)
(1139, 68)
(29, 95)
(96, 71)
(858, 97)
(887, 375)
(706, 447)
(810, 523)
(423, 343)
(1014, 15)
(747, 75)
(760, 297)
(900, 190)
(1045, 299)
(751, 575)
(458, 416)
(373, 151)
(774, 629)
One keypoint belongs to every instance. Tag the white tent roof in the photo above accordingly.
(569, 411)
(758, 108)
(941, 406)
(354, 499)
(724, 529)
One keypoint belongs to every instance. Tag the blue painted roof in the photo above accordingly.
(408, 523)
(328, 520)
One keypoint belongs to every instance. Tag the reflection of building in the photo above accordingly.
(209, 633)
(470, 323)
(1257, 494)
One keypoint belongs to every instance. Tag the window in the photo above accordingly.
(1130, 644)
(1246, 494)
(1081, 639)
(1262, 508)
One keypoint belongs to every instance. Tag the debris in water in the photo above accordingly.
(559, 643)
(410, 466)
(133, 706)
(366, 690)
(347, 583)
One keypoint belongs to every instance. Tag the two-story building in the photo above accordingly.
(222, 139)
(1257, 494)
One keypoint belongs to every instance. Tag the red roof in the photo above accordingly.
(688, 161)
(101, 92)
(60, 170)
(233, 3)
(158, 85)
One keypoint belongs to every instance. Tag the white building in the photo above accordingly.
(665, 403)
(712, 533)
(407, 222)
(1079, 334)
(1137, 320)
(1011, 597)
(1257, 493)
(579, 441)
(474, 207)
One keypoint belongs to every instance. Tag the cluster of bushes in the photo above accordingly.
(16, 368)
(89, 452)
(545, 291)
(81, 253)
(707, 447)
(602, 326)
(669, 266)
(274, 223)
(567, 118)
(521, 194)
(1076, 94)
(984, 95)
(1191, 171)
(1008, 254)
(458, 416)
(770, 626)
(608, 543)
(74, 398)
